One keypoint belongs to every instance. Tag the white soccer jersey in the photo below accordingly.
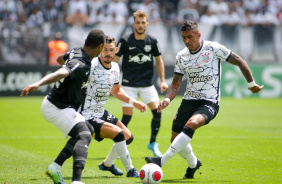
(203, 70)
(99, 87)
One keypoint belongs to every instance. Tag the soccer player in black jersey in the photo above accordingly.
(201, 61)
(60, 106)
(103, 81)
(139, 50)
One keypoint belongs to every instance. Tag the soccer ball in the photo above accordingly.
(151, 173)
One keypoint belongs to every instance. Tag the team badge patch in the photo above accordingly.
(147, 48)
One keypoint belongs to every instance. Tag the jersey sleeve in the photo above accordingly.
(121, 47)
(156, 48)
(117, 74)
(72, 66)
(178, 67)
(221, 52)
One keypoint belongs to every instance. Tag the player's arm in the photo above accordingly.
(48, 79)
(171, 92)
(121, 95)
(161, 72)
(242, 64)
(61, 60)
(116, 59)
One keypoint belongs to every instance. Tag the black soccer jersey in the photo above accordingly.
(138, 57)
(71, 91)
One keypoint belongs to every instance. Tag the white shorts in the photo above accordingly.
(63, 119)
(147, 94)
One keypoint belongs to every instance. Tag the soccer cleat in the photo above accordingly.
(113, 169)
(155, 148)
(55, 175)
(132, 173)
(77, 182)
(154, 160)
(191, 171)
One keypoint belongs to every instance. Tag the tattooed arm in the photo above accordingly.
(172, 91)
(242, 64)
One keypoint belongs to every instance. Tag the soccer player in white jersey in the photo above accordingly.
(103, 81)
(201, 62)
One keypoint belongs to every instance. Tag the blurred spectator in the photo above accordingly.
(210, 18)
(50, 13)
(187, 13)
(77, 19)
(8, 5)
(218, 7)
(132, 6)
(151, 9)
(29, 6)
(169, 18)
(7, 15)
(56, 48)
(229, 27)
(96, 12)
(251, 5)
(77, 6)
(35, 19)
(117, 11)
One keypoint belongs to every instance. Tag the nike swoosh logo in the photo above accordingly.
(131, 48)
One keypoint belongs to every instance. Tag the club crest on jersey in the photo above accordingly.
(206, 57)
(147, 48)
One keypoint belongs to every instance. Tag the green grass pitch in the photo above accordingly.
(243, 144)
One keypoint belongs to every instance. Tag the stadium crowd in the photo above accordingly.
(26, 24)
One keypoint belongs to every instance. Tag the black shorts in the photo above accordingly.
(98, 122)
(190, 107)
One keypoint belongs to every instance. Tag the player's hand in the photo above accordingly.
(163, 87)
(140, 106)
(256, 88)
(29, 88)
(163, 104)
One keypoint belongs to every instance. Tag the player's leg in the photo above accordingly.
(127, 109)
(119, 148)
(150, 96)
(83, 136)
(127, 134)
(65, 120)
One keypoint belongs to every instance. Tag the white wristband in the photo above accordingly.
(251, 84)
(167, 99)
(131, 100)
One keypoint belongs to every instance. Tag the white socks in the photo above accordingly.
(119, 149)
(55, 166)
(180, 142)
(189, 156)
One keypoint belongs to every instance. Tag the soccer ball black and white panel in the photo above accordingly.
(151, 173)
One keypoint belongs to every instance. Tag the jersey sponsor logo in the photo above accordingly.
(140, 58)
(196, 94)
(101, 94)
(148, 48)
(194, 76)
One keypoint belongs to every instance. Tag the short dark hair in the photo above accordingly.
(110, 39)
(189, 25)
(95, 38)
